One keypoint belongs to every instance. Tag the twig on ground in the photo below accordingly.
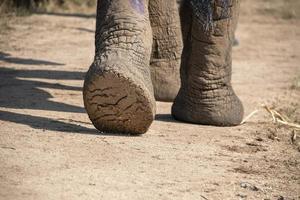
(204, 197)
(249, 116)
(276, 116)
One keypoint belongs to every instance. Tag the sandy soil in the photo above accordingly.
(50, 150)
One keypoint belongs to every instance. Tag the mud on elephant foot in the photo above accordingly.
(117, 104)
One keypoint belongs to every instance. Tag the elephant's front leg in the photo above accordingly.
(118, 93)
(206, 95)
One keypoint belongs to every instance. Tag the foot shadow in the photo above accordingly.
(86, 30)
(25, 61)
(165, 118)
(80, 15)
(19, 93)
(36, 122)
(44, 123)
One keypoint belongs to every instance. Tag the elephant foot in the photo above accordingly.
(115, 103)
(218, 108)
(206, 95)
(118, 92)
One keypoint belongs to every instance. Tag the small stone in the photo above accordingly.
(252, 144)
(280, 198)
(243, 196)
(249, 186)
(243, 185)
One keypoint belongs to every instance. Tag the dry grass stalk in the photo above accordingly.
(276, 116)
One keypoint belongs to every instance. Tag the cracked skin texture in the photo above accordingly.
(141, 46)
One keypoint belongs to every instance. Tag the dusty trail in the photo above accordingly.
(50, 150)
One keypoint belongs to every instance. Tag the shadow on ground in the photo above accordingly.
(86, 30)
(165, 118)
(18, 93)
(24, 61)
(87, 16)
(44, 123)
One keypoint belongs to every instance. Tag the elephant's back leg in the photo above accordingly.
(166, 48)
(118, 93)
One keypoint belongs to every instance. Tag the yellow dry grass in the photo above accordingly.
(276, 116)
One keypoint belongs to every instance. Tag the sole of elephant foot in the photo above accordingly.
(116, 105)
(221, 114)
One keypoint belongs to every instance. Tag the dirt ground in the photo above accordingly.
(50, 150)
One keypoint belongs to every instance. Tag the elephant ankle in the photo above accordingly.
(226, 110)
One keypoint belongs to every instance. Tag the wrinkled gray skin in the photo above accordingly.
(144, 48)
(166, 48)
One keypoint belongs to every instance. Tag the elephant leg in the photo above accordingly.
(118, 93)
(166, 49)
(206, 95)
(235, 19)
